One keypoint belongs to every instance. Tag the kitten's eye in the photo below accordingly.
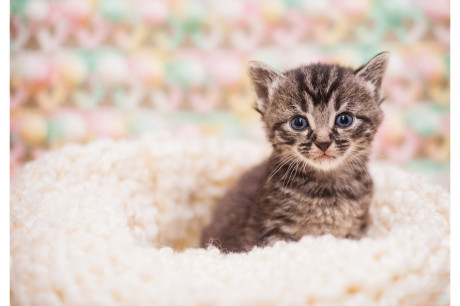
(299, 123)
(344, 120)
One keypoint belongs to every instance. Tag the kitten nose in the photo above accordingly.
(323, 145)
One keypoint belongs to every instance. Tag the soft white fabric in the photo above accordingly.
(107, 224)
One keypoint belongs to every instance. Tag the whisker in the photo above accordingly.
(295, 173)
(278, 167)
(285, 184)
(304, 170)
(287, 170)
(273, 157)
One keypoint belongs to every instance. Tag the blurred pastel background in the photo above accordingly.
(85, 69)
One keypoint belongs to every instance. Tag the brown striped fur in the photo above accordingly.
(293, 193)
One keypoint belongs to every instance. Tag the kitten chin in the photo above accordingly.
(321, 120)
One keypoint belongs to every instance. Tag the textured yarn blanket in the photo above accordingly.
(118, 223)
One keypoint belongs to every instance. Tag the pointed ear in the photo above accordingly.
(262, 77)
(374, 70)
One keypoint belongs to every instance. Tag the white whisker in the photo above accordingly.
(278, 167)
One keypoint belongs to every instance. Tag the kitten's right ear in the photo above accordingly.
(262, 77)
(374, 70)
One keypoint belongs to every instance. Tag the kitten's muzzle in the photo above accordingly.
(323, 145)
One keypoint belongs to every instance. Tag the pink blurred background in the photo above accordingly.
(82, 70)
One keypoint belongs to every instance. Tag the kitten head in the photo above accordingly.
(323, 115)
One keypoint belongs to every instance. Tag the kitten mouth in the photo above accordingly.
(324, 157)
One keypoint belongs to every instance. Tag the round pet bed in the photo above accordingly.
(118, 223)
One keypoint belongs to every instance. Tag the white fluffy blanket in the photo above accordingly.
(116, 223)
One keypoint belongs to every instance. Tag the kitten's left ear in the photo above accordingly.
(374, 70)
(262, 77)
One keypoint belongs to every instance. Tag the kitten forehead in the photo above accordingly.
(319, 83)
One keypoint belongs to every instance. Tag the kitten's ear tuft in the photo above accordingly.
(262, 77)
(374, 70)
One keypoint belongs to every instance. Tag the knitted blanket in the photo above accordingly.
(118, 223)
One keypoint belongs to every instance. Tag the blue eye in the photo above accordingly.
(344, 120)
(299, 123)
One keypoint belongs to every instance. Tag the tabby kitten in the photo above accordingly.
(321, 120)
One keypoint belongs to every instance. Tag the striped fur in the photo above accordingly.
(296, 192)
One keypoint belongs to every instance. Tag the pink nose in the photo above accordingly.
(323, 145)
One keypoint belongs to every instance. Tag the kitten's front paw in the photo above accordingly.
(273, 235)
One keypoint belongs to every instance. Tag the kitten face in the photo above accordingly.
(323, 115)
